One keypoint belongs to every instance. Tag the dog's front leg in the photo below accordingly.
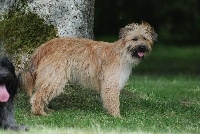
(7, 117)
(7, 114)
(110, 97)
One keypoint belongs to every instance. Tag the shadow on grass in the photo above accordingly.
(139, 109)
(131, 102)
(78, 99)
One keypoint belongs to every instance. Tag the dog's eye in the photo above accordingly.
(145, 38)
(135, 39)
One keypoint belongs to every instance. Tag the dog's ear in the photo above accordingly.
(154, 36)
(126, 29)
(122, 32)
(150, 30)
(134, 26)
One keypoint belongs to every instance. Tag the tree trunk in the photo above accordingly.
(73, 18)
(5, 5)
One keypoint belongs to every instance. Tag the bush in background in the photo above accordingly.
(21, 32)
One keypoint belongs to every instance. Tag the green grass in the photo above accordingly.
(56, 130)
(171, 60)
(160, 97)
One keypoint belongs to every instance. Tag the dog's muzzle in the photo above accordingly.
(139, 51)
(4, 78)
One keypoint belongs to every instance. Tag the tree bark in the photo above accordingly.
(5, 5)
(73, 18)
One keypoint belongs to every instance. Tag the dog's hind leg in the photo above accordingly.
(42, 96)
(48, 86)
(38, 102)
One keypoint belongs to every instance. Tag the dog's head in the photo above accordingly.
(8, 79)
(7, 71)
(138, 39)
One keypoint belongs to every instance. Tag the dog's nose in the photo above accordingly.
(142, 48)
(3, 77)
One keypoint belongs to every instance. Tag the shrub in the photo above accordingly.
(23, 30)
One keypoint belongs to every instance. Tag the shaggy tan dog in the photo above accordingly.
(99, 65)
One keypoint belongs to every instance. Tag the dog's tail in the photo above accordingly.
(26, 81)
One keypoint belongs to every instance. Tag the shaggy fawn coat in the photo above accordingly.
(102, 66)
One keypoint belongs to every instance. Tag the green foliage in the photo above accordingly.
(174, 21)
(22, 31)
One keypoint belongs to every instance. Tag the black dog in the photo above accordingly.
(8, 89)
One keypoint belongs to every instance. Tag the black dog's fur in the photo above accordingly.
(9, 78)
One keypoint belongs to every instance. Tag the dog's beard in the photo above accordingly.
(138, 51)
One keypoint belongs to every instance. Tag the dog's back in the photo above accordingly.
(56, 47)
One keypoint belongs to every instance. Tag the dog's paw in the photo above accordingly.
(48, 110)
(117, 116)
(39, 112)
(16, 128)
(23, 128)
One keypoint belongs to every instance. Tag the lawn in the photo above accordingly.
(161, 96)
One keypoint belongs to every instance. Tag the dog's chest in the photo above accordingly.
(124, 75)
